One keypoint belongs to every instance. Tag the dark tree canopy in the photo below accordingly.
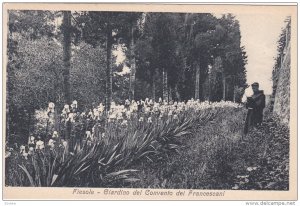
(173, 54)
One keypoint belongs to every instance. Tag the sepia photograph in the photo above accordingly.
(101, 99)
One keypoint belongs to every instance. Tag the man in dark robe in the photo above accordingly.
(255, 105)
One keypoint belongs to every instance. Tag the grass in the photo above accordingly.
(105, 161)
(224, 158)
(197, 150)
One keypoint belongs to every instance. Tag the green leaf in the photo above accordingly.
(131, 180)
(120, 172)
(53, 179)
(28, 175)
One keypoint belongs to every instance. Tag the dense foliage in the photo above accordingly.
(170, 86)
(101, 148)
(55, 56)
(282, 44)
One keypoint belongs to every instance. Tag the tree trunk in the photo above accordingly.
(132, 67)
(108, 86)
(197, 84)
(170, 96)
(224, 84)
(234, 93)
(209, 86)
(165, 85)
(227, 93)
(67, 64)
(67, 54)
(10, 87)
(57, 120)
(30, 120)
(153, 86)
(178, 98)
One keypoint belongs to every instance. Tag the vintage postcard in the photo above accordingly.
(148, 101)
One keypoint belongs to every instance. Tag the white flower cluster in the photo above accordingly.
(51, 106)
(148, 107)
(68, 113)
(146, 111)
(123, 113)
(38, 145)
(97, 112)
(42, 118)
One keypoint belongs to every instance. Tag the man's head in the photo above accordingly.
(255, 87)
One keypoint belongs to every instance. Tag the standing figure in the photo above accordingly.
(255, 105)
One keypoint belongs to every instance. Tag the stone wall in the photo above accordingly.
(282, 96)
